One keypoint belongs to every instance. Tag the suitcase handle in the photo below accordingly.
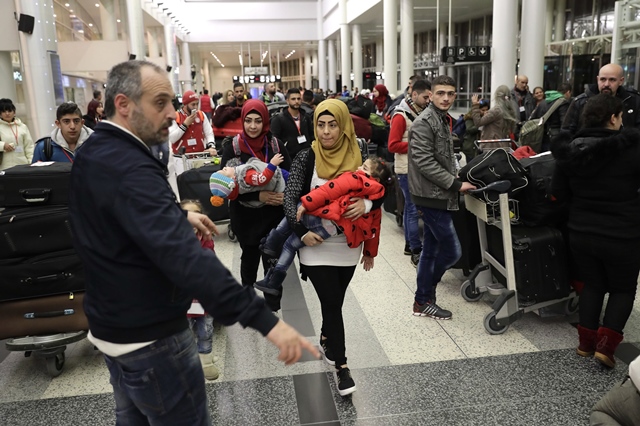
(47, 278)
(38, 195)
(51, 314)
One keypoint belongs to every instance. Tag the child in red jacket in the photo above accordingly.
(200, 322)
(329, 202)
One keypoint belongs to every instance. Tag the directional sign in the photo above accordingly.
(453, 54)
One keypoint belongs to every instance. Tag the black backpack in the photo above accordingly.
(360, 106)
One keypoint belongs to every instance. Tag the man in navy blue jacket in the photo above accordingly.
(144, 263)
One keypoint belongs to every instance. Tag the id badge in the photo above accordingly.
(522, 109)
(302, 139)
(19, 149)
(191, 142)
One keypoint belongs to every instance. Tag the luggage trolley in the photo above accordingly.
(506, 308)
(51, 348)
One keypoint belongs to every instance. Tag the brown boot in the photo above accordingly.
(607, 342)
(587, 338)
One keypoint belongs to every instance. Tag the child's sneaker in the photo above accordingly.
(326, 352)
(208, 367)
(346, 385)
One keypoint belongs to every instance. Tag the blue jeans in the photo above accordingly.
(160, 384)
(202, 328)
(410, 216)
(440, 252)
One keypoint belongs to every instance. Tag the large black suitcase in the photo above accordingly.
(466, 225)
(30, 231)
(194, 185)
(35, 184)
(540, 260)
(43, 316)
(44, 275)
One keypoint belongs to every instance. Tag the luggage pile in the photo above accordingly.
(42, 278)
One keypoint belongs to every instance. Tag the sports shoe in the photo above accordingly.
(407, 249)
(326, 352)
(415, 257)
(346, 385)
(430, 309)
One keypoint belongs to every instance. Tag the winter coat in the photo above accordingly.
(22, 143)
(59, 147)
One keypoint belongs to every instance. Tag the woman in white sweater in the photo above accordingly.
(16, 144)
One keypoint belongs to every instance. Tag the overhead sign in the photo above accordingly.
(256, 70)
(453, 54)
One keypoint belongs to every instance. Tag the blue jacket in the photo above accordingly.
(59, 148)
(142, 260)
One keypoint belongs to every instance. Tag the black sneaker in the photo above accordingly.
(407, 249)
(415, 257)
(326, 352)
(346, 385)
(430, 309)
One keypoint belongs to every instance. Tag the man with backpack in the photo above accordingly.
(69, 134)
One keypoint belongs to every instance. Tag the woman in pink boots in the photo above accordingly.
(597, 173)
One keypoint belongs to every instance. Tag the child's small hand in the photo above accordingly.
(367, 261)
(301, 211)
(277, 159)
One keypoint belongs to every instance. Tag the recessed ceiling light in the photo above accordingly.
(117, 20)
(91, 25)
(66, 4)
(97, 4)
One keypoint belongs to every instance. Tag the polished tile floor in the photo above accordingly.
(408, 370)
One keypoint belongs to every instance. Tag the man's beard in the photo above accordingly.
(294, 106)
(144, 129)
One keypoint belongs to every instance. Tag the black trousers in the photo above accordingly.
(608, 265)
(249, 263)
(331, 284)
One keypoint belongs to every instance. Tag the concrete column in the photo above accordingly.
(153, 42)
(314, 65)
(331, 46)
(503, 51)
(561, 7)
(322, 65)
(7, 84)
(186, 64)
(357, 55)
(307, 69)
(108, 22)
(199, 80)
(442, 36)
(207, 76)
(171, 54)
(406, 41)
(532, 46)
(345, 45)
(42, 79)
(390, 22)
(135, 25)
(548, 28)
(379, 54)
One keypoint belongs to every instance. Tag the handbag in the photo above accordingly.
(532, 131)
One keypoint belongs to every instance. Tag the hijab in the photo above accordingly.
(345, 155)
(381, 99)
(255, 146)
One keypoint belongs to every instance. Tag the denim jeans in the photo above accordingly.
(410, 216)
(160, 384)
(202, 329)
(441, 250)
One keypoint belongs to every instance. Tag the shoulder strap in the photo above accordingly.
(48, 148)
(553, 109)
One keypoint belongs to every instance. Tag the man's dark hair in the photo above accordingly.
(125, 78)
(206, 92)
(598, 110)
(421, 85)
(443, 80)
(66, 109)
(564, 88)
(7, 105)
(96, 93)
(416, 77)
(237, 84)
(307, 96)
(291, 92)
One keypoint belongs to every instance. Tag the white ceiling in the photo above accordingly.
(371, 22)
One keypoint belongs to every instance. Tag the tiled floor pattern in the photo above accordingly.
(408, 370)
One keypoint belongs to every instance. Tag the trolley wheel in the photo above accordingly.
(571, 306)
(399, 220)
(492, 326)
(468, 294)
(231, 235)
(55, 364)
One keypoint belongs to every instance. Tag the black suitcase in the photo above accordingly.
(194, 185)
(43, 316)
(540, 260)
(31, 184)
(30, 231)
(44, 275)
(466, 225)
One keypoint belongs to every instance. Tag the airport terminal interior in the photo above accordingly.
(409, 370)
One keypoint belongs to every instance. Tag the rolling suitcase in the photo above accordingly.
(35, 184)
(540, 260)
(194, 185)
(43, 316)
(30, 231)
(48, 274)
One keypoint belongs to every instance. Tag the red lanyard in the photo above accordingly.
(14, 133)
(297, 121)
(266, 148)
(450, 120)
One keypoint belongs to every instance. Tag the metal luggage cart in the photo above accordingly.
(491, 144)
(194, 160)
(506, 308)
(51, 348)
